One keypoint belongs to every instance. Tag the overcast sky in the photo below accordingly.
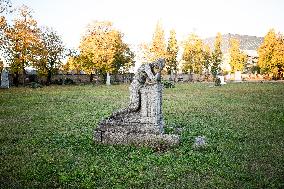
(137, 19)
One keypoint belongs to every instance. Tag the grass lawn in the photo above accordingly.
(46, 138)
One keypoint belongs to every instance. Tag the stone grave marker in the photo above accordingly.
(5, 78)
(222, 79)
(238, 76)
(141, 123)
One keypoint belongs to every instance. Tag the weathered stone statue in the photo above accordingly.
(5, 78)
(141, 122)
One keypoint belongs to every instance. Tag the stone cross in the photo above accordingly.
(5, 78)
(141, 122)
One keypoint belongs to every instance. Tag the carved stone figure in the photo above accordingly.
(145, 75)
(141, 122)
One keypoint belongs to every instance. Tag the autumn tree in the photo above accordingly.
(3, 37)
(277, 60)
(23, 39)
(123, 59)
(103, 47)
(73, 64)
(216, 55)
(172, 51)
(237, 57)
(207, 58)
(193, 55)
(51, 52)
(271, 54)
(144, 52)
(5, 8)
(158, 45)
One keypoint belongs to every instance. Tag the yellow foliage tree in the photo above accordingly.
(3, 25)
(207, 54)
(103, 49)
(172, 51)
(271, 54)
(24, 39)
(237, 57)
(145, 55)
(193, 55)
(73, 64)
(277, 60)
(217, 55)
(51, 52)
(158, 45)
(5, 8)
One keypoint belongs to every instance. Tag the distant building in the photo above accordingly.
(248, 44)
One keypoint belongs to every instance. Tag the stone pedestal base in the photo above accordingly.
(136, 139)
(134, 130)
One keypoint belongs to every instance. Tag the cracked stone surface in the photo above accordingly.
(141, 122)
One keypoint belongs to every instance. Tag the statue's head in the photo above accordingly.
(159, 64)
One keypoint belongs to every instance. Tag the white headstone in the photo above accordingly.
(222, 79)
(228, 77)
(238, 76)
(108, 79)
(5, 79)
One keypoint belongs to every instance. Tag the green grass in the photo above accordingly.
(46, 138)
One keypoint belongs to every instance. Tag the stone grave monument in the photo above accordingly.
(5, 78)
(222, 79)
(238, 76)
(141, 122)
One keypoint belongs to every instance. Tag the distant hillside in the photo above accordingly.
(246, 42)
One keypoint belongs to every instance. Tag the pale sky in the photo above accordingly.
(137, 19)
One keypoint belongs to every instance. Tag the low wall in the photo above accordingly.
(76, 78)
(127, 78)
(84, 78)
(189, 78)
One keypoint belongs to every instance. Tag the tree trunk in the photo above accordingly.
(48, 80)
(190, 79)
(16, 79)
(91, 77)
(24, 76)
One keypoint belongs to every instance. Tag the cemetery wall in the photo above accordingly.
(127, 78)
